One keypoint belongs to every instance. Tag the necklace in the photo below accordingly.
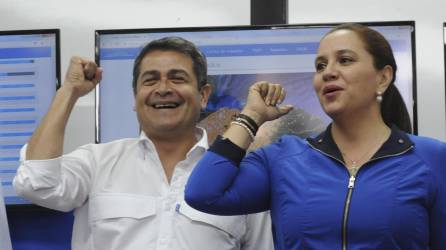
(355, 164)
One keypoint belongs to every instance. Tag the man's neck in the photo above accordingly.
(173, 150)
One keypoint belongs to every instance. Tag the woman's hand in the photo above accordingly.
(263, 100)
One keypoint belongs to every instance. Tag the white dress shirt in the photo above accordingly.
(123, 200)
(5, 240)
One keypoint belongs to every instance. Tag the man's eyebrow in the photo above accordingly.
(173, 72)
(150, 73)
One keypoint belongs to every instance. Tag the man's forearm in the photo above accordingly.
(47, 140)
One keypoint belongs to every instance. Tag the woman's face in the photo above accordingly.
(346, 80)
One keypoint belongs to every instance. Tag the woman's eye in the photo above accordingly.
(320, 66)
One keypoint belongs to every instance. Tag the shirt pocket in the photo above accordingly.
(109, 206)
(235, 226)
(116, 218)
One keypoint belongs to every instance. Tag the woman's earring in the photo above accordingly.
(379, 96)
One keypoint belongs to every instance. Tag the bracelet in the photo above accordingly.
(247, 129)
(251, 126)
(246, 123)
(250, 121)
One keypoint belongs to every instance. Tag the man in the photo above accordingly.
(129, 194)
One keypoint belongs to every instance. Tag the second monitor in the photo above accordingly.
(237, 57)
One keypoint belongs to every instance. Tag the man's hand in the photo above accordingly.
(82, 76)
(263, 101)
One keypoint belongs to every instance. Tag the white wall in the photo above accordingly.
(429, 16)
(77, 20)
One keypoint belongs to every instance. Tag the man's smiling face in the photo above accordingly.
(167, 96)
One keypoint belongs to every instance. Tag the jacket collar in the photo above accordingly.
(397, 143)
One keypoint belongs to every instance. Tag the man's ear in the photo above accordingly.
(386, 78)
(205, 92)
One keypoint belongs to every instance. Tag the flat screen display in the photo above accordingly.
(238, 57)
(444, 38)
(29, 73)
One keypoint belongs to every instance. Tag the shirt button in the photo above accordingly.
(320, 140)
(400, 141)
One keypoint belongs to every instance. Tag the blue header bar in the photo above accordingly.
(27, 52)
(309, 48)
(119, 53)
(225, 50)
(260, 49)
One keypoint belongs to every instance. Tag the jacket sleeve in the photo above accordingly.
(438, 208)
(225, 183)
(62, 183)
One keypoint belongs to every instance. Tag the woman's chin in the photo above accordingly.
(332, 110)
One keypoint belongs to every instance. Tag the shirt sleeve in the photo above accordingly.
(438, 209)
(258, 234)
(221, 184)
(61, 183)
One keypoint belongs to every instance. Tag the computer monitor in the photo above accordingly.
(29, 77)
(238, 57)
(444, 39)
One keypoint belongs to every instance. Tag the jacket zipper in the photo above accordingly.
(351, 185)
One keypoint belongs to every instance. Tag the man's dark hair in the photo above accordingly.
(179, 45)
(393, 109)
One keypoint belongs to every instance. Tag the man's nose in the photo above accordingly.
(163, 87)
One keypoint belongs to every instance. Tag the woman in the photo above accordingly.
(361, 184)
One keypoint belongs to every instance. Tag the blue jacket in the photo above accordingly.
(397, 200)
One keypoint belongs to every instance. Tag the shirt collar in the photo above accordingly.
(397, 143)
(202, 141)
(200, 135)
